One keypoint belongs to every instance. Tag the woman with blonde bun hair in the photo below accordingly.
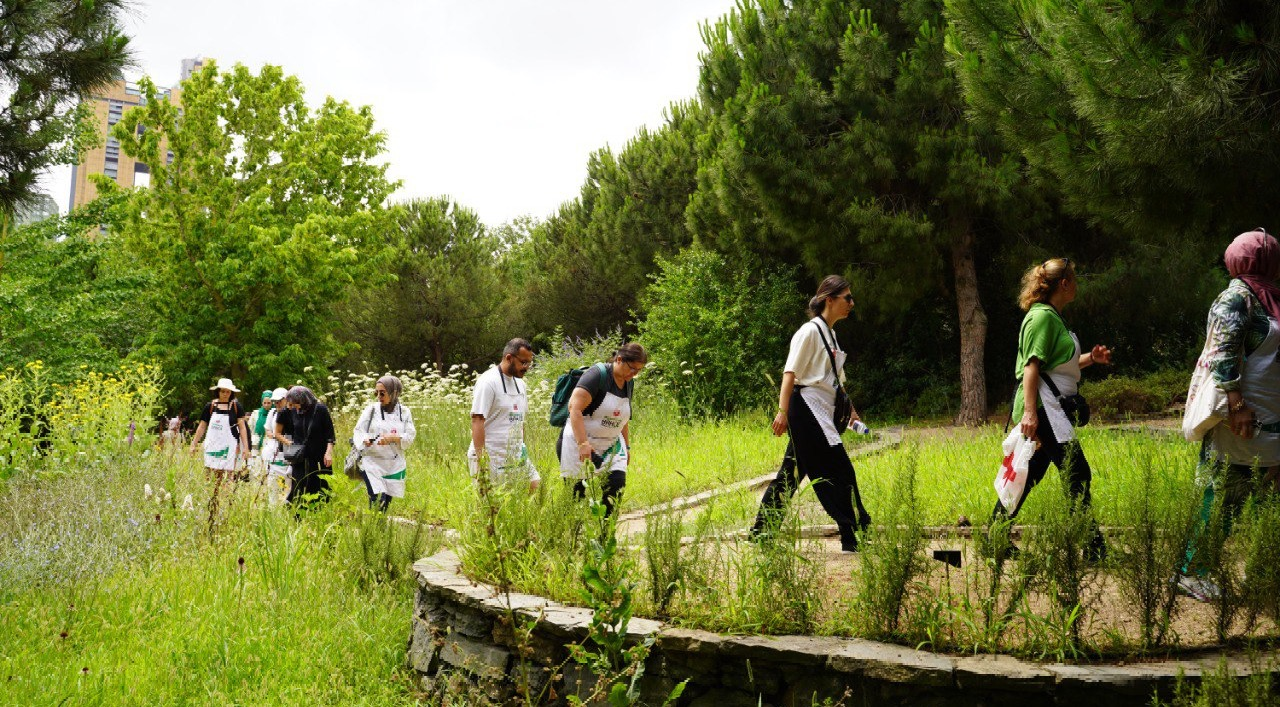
(1048, 366)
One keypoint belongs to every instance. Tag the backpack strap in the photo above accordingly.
(597, 396)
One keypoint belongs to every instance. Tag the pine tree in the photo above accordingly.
(53, 53)
(1150, 118)
(838, 135)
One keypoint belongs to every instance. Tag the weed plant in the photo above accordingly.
(892, 560)
(1223, 688)
(666, 564)
(1054, 553)
(1150, 544)
(1258, 532)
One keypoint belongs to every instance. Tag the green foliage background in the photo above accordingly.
(929, 151)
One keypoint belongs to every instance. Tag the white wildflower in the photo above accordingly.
(146, 490)
(187, 504)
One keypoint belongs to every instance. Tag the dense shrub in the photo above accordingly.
(1122, 396)
(717, 331)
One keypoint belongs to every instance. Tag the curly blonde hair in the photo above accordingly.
(1040, 281)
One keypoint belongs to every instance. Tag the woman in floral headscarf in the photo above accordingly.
(1242, 340)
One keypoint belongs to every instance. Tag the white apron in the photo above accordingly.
(385, 464)
(604, 432)
(220, 445)
(1067, 377)
(504, 437)
(823, 404)
(272, 456)
(1260, 386)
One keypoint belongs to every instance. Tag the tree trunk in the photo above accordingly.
(973, 328)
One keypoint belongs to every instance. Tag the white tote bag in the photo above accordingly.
(1011, 479)
(1206, 403)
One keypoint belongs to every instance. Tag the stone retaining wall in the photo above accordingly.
(460, 625)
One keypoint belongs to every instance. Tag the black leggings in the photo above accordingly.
(613, 483)
(1068, 457)
(307, 481)
(1071, 463)
(828, 466)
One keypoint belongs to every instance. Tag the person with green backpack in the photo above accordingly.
(593, 405)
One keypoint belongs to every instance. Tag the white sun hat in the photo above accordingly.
(278, 394)
(225, 384)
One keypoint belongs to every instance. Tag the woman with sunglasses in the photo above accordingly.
(596, 439)
(806, 409)
(1049, 358)
(384, 429)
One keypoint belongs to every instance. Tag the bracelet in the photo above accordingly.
(1237, 407)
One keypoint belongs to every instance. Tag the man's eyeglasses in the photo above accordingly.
(635, 369)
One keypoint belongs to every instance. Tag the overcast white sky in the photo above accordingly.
(496, 103)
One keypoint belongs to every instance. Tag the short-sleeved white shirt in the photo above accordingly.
(503, 402)
(808, 358)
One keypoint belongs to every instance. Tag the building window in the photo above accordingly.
(112, 169)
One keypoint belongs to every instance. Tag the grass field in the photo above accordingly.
(110, 596)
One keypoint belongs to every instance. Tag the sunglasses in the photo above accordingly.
(382, 393)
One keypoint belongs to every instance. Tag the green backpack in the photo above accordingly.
(564, 390)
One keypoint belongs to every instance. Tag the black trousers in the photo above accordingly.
(614, 483)
(828, 466)
(1068, 457)
(1071, 462)
(307, 481)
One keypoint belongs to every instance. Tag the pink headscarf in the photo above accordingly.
(1255, 258)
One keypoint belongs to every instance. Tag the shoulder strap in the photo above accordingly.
(830, 356)
(597, 396)
(1049, 382)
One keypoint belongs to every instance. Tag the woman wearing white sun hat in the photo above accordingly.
(223, 419)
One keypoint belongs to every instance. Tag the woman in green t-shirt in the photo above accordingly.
(1048, 349)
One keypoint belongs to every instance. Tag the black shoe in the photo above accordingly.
(1096, 552)
(848, 546)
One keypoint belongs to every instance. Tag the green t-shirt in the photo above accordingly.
(1044, 337)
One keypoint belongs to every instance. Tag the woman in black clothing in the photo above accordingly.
(806, 409)
(312, 427)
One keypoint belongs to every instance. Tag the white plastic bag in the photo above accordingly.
(1011, 479)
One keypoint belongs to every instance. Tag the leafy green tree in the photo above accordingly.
(595, 255)
(68, 297)
(838, 135)
(444, 305)
(53, 54)
(256, 225)
(718, 330)
(1150, 118)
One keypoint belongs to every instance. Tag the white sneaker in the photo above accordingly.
(1198, 588)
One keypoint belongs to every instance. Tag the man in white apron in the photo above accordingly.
(499, 405)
